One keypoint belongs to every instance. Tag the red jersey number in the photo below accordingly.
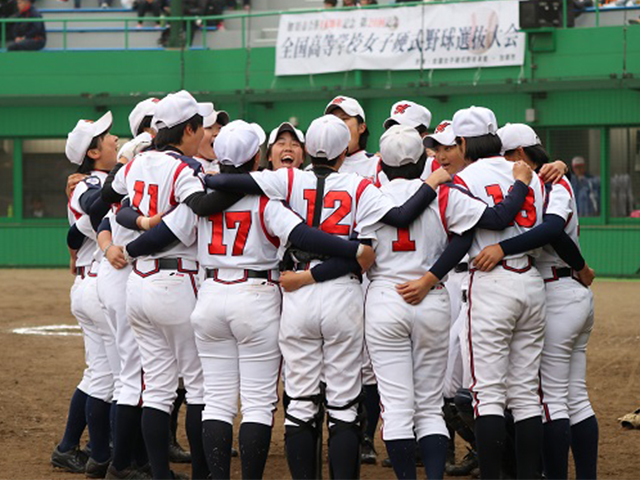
(403, 243)
(341, 200)
(527, 216)
(152, 190)
(241, 221)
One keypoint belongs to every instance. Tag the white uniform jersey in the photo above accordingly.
(351, 203)
(430, 166)
(157, 182)
(560, 201)
(77, 216)
(404, 254)
(362, 163)
(120, 235)
(208, 166)
(490, 179)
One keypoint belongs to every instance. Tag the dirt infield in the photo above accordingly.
(39, 374)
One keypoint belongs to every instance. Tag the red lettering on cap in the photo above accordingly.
(400, 109)
(155, 100)
(338, 101)
(440, 128)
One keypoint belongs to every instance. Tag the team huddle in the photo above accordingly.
(437, 285)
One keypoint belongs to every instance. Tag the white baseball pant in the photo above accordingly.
(563, 367)
(159, 307)
(322, 330)
(236, 328)
(112, 290)
(457, 285)
(505, 335)
(408, 346)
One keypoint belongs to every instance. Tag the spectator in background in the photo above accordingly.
(8, 8)
(350, 3)
(144, 6)
(27, 35)
(37, 207)
(368, 2)
(330, 3)
(586, 188)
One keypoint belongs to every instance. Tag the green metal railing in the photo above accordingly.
(245, 17)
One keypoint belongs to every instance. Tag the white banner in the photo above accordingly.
(456, 35)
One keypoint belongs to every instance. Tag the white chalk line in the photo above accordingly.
(50, 331)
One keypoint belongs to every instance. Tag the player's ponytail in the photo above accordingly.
(409, 171)
(537, 154)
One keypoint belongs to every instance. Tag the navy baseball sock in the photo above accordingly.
(128, 421)
(584, 446)
(217, 437)
(155, 431)
(372, 406)
(193, 422)
(175, 411)
(255, 439)
(139, 452)
(344, 451)
(402, 454)
(76, 421)
(529, 447)
(491, 433)
(112, 421)
(300, 444)
(433, 449)
(557, 439)
(98, 420)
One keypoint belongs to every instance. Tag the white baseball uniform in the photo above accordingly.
(208, 166)
(162, 290)
(237, 316)
(505, 327)
(323, 323)
(430, 166)
(569, 322)
(362, 163)
(100, 351)
(112, 291)
(408, 343)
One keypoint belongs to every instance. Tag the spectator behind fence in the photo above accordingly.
(586, 188)
(368, 2)
(330, 3)
(27, 35)
(8, 8)
(144, 6)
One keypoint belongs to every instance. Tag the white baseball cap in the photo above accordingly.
(285, 127)
(327, 137)
(143, 109)
(220, 117)
(515, 135)
(474, 122)
(178, 107)
(443, 135)
(80, 137)
(408, 113)
(238, 142)
(348, 105)
(400, 145)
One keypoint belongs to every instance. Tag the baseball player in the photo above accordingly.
(505, 328)
(212, 125)
(314, 335)
(285, 147)
(94, 149)
(567, 412)
(155, 181)
(366, 165)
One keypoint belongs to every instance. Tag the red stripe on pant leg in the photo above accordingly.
(541, 395)
(473, 373)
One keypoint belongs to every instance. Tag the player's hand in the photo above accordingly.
(438, 177)
(292, 281)
(115, 256)
(522, 172)
(553, 172)
(586, 276)
(413, 292)
(72, 181)
(489, 257)
(147, 223)
(366, 256)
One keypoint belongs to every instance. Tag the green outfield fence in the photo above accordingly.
(582, 86)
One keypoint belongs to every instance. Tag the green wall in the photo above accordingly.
(586, 77)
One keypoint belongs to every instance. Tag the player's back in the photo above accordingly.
(404, 254)
(362, 163)
(490, 180)
(238, 238)
(560, 200)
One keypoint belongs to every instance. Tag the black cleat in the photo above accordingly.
(178, 455)
(465, 467)
(73, 461)
(234, 452)
(95, 469)
(129, 473)
(368, 453)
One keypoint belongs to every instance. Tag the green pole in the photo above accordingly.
(564, 13)
(605, 201)
(357, 78)
(17, 180)
(176, 26)
(3, 34)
